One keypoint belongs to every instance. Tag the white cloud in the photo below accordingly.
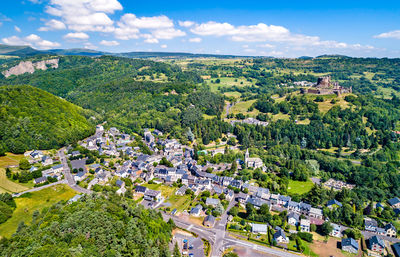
(76, 36)
(391, 34)
(89, 45)
(14, 40)
(151, 40)
(53, 25)
(31, 40)
(249, 50)
(195, 40)
(85, 15)
(17, 29)
(266, 46)
(109, 43)
(186, 24)
(267, 33)
(163, 46)
(158, 27)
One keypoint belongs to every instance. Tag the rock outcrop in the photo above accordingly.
(30, 67)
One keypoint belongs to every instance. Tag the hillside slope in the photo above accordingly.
(31, 118)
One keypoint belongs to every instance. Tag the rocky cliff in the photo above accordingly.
(30, 67)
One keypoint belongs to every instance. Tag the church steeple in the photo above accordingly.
(246, 156)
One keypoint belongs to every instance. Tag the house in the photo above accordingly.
(120, 183)
(280, 236)
(391, 231)
(293, 219)
(394, 202)
(36, 154)
(370, 224)
(181, 191)
(283, 200)
(376, 244)
(294, 206)
(229, 194)
(121, 191)
(209, 221)
(75, 153)
(350, 245)
(242, 197)
(46, 160)
(259, 228)
(263, 193)
(396, 249)
(258, 202)
(196, 211)
(74, 199)
(40, 180)
(218, 190)
(252, 162)
(305, 225)
(33, 168)
(58, 168)
(305, 208)
(140, 189)
(315, 213)
(333, 204)
(79, 176)
(336, 230)
(274, 198)
(152, 195)
(212, 201)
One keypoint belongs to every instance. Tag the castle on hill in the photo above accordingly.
(325, 86)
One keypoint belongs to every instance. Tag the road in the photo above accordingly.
(39, 188)
(68, 176)
(220, 240)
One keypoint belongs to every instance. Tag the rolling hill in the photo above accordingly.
(31, 118)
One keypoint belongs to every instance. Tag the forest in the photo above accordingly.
(31, 118)
(72, 229)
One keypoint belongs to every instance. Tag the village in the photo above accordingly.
(161, 173)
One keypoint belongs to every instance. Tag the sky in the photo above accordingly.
(247, 27)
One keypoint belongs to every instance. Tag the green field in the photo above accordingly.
(181, 203)
(227, 82)
(26, 205)
(242, 107)
(7, 185)
(166, 191)
(299, 187)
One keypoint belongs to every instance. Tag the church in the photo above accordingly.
(252, 162)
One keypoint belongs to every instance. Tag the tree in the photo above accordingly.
(24, 164)
(8, 172)
(177, 252)
(234, 211)
(326, 228)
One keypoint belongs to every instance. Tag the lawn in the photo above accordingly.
(300, 187)
(26, 205)
(166, 191)
(178, 202)
(227, 82)
(242, 107)
(7, 185)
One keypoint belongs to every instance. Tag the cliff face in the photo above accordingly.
(29, 67)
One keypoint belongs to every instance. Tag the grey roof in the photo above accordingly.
(212, 201)
(350, 242)
(305, 206)
(390, 226)
(376, 240)
(370, 223)
(57, 166)
(40, 180)
(119, 183)
(256, 201)
(293, 204)
(152, 193)
(280, 233)
(140, 189)
(394, 201)
(334, 201)
(209, 218)
(294, 216)
(284, 198)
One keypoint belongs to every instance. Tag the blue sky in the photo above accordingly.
(267, 28)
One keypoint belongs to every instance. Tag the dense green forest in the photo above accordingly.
(31, 118)
(73, 230)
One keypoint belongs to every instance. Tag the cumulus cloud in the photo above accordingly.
(17, 29)
(109, 43)
(31, 40)
(186, 24)
(195, 40)
(76, 36)
(85, 15)
(158, 27)
(163, 46)
(266, 33)
(53, 25)
(395, 34)
(89, 45)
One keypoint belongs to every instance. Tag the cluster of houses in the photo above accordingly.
(337, 184)
(38, 157)
(250, 121)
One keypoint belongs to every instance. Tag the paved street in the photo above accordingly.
(39, 188)
(68, 176)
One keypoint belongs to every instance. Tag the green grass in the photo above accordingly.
(181, 203)
(26, 205)
(299, 187)
(242, 107)
(7, 185)
(166, 191)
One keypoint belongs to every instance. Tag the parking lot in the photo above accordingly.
(195, 246)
